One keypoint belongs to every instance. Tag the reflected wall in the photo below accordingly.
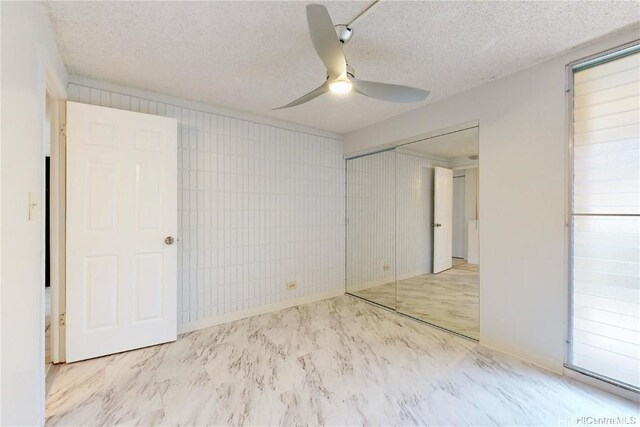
(371, 227)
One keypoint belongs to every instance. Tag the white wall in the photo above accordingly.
(27, 49)
(523, 143)
(259, 205)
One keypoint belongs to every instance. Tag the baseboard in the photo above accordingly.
(230, 317)
(548, 363)
(373, 284)
(369, 285)
(411, 275)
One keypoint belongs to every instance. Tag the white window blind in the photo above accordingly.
(606, 220)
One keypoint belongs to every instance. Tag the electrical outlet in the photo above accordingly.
(292, 285)
(386, 267)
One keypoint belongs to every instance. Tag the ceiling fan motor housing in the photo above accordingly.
(350, 72)
(344, 33)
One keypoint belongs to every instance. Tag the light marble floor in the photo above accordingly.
(449, 299)
(340, 361)
(47, 328)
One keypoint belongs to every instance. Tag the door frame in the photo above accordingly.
(56, 95)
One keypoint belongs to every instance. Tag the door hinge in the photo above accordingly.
(63, 319)
(63, 129)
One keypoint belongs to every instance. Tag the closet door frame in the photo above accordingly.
(392, 146)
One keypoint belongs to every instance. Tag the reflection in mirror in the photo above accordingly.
(437, 231)
(371, 228)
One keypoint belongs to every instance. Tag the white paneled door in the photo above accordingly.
(121, 231)
(442, 219)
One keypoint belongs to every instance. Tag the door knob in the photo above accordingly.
(169, 240)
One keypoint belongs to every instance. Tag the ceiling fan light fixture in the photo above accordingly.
(340, 76)
(340, 87)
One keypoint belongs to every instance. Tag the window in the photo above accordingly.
(605, 218)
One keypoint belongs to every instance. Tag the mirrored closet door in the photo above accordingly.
(371, 271)
(412, 231)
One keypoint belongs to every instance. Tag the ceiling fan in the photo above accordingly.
(340, 76)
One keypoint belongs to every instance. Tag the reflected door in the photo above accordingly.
(442, 219)
(121, 228)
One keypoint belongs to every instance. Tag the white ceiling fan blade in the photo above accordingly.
(325, 40)
(308, 97)
(389, 92)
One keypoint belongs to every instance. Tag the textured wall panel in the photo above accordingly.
(390, 210)
(258, 206)
(371, 209)
(414, 198)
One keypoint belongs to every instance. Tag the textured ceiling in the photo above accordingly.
(463, 143)
(255, 56)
